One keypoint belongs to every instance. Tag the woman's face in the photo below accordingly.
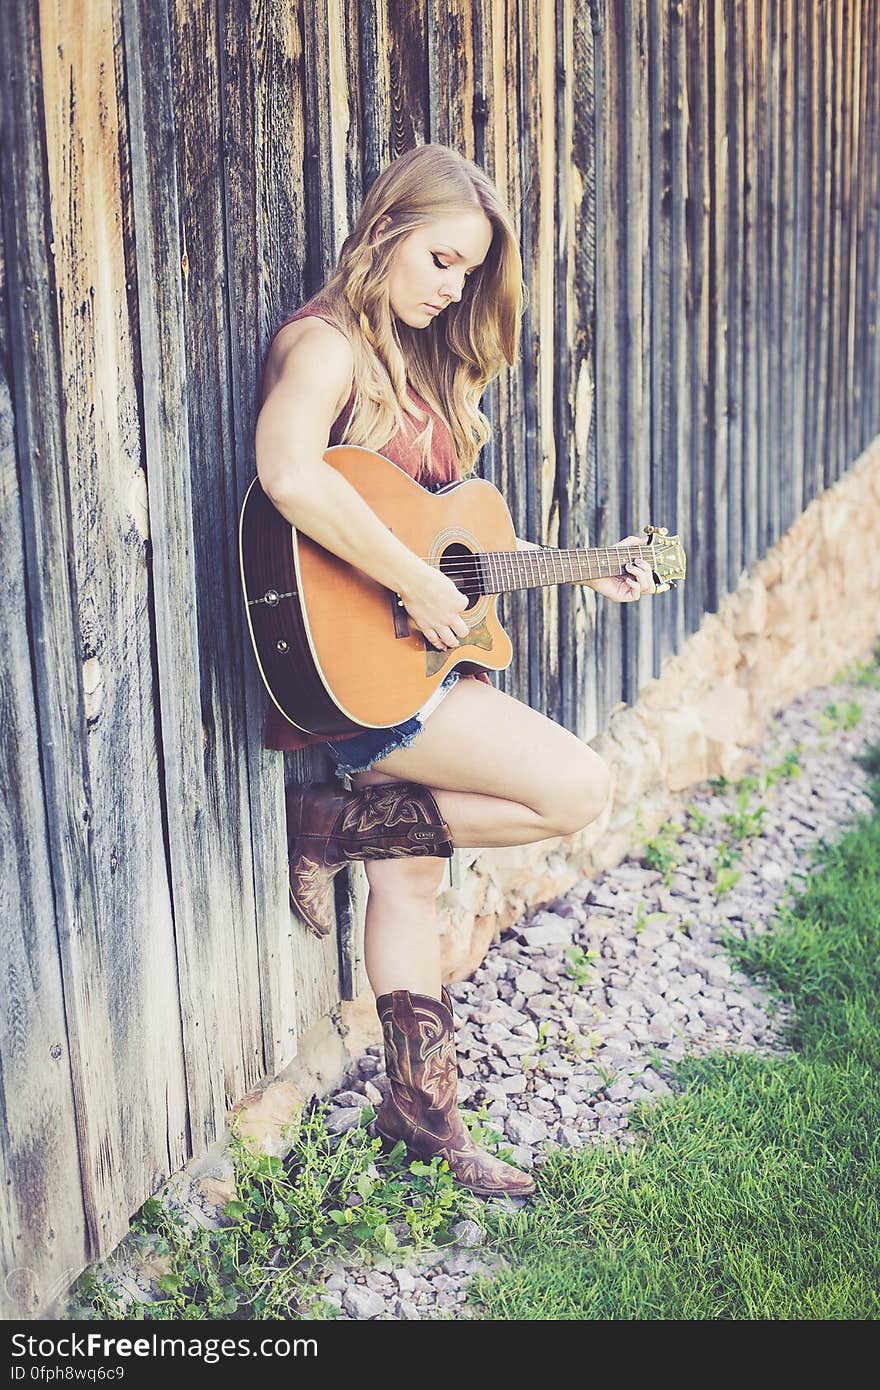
(433, 263)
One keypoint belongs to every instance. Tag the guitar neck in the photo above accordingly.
(504, 570)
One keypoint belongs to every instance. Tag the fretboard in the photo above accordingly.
(503, 570)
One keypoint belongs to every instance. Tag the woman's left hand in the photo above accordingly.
(637, 578)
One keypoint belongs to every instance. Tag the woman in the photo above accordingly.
(394, 354)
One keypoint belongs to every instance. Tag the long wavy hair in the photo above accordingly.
(450, 362)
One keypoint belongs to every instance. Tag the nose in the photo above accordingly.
(452, 293)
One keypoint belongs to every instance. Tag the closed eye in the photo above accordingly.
(441, 266)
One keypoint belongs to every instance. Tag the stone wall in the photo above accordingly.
(809, 607)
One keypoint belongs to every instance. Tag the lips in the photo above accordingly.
(436, 307)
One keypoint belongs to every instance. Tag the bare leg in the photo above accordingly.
(401, 946)
(502, 773)
(481, 822)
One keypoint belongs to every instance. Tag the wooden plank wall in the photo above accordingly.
(696, 188)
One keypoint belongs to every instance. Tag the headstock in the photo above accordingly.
(667, 557)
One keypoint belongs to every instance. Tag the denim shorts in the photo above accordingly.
(359, 753)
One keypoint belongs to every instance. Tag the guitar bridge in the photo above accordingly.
(400, 617)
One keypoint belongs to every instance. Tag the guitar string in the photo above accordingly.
(556, 557)
(500, 559)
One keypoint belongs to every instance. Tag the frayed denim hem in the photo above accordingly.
(399, 740)
(399, 736)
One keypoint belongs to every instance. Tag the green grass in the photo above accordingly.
(751, 1193)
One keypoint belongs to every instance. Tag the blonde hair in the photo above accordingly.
(451, 361)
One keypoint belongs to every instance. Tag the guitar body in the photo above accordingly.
(335, 649)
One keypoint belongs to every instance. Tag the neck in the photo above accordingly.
(504, 570)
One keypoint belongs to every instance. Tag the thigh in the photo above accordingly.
(480, 739)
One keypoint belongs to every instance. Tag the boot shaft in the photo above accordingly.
(384, 821)
(420, 1059)
(421, 1106)
(328, 827)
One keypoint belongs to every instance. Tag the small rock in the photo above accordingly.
(660, 1028)
(654, 1082)
(569, 1137)
(362, 1302)
(347, 1099)
(523, 1128)
(529, 982)
(405, 1308)
(620, 1088)
(467, 1233)
(340, 1120)
(547, 929)
(516, 1084)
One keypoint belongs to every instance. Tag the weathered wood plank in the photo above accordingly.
(735, 262)
(761, 312)
(96, 1209)
(716, 538)
(872, 223)
(612, 405)
(634, 500)
(138, 966)
(789, 271)
(43, 1238)
(563, 312)
(578, 656)
(695, 512)
(197, 896)
(546, 530)
(248, 284)
(747, 466)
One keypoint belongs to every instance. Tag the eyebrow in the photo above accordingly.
(460, 256)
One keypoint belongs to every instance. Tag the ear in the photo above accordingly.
(381, 225)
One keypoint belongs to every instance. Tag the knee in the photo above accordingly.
(417, 877)
(582, 795)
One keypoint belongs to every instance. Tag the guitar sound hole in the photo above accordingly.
(461, 565)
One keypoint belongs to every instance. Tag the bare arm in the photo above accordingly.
(291, 436)
(292, 431)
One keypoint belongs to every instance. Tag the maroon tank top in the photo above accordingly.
(280, 735)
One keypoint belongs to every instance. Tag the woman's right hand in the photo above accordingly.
(435, 606)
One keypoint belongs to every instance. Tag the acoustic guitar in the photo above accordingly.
(336, 650)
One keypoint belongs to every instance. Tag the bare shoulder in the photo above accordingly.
(311, 339)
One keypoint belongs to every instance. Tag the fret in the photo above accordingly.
(504, 570)
(484, 579)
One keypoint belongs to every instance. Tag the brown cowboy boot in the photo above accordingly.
(421, 1106)
(327, 827)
